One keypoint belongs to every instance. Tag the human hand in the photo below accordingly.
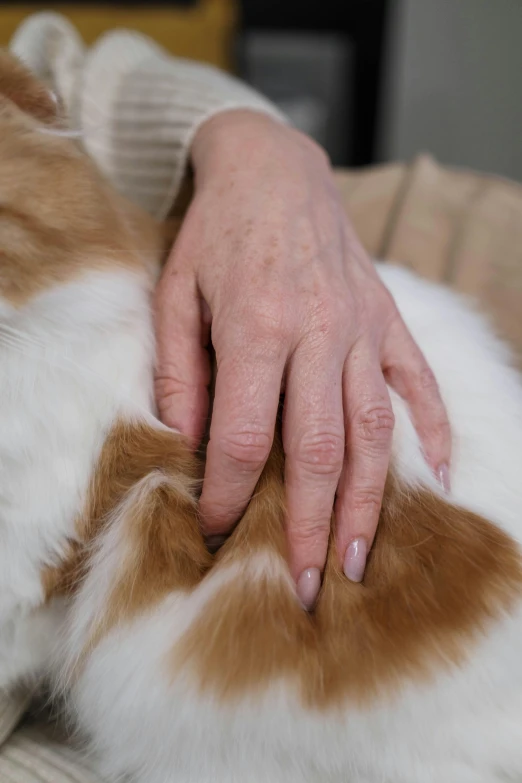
(267, 256)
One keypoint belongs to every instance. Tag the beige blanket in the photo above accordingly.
(457, 227)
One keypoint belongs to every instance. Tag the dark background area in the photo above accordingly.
(370, 80)
(363, 24)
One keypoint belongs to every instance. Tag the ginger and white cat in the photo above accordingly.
(183, 667)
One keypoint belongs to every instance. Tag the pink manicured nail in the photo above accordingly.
(443, 477)
(308, 586)
(355, 560)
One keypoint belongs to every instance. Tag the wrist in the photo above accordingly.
(219, 136)
(245, 137)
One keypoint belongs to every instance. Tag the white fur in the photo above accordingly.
(82, 354)
(71, 359)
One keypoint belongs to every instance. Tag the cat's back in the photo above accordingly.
(71, 359)
(412, 675)
(482, 390)
(76, 343)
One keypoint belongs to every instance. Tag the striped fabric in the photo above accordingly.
(39, 754)
(458, 227)
(138, 107)
(12, 708)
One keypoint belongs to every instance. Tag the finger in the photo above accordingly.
(182, 365)
(242, 429)
(369, 428)
(408, 373)
(313, 437)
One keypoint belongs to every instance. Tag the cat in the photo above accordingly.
(182, 666)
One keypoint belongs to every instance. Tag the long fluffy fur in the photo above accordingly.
(182, 667)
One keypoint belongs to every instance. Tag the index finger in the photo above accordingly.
(246, 401)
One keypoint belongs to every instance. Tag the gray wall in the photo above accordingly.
(454, 83)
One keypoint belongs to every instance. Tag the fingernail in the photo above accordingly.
(443, 477)
(308, 586)
(355, 560)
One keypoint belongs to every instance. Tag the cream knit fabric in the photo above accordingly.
(139, 110)
(138, 107)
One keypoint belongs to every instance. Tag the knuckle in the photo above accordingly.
(330, 314)
(167, 386)
(247, 450)
(427, 381)
(310, 534)
(269, 321)
(218, 517)
(375, 424)
(321, 453)
(367, 499)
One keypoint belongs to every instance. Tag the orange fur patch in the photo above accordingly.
(436, 576)
(167, 549)
(58, 216)
(30, 95)
(162, 548)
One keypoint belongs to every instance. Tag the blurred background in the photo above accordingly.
(371, 80)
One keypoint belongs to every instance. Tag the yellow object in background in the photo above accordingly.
(203, 31)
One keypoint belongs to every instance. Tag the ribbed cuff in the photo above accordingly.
(138, 107)
(142, 108)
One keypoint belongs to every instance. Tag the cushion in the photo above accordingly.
(457, 227)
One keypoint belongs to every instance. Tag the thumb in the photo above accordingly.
(182, 364)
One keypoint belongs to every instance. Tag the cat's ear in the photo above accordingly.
(19, 85)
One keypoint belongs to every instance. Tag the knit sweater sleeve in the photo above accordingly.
(138, 107)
